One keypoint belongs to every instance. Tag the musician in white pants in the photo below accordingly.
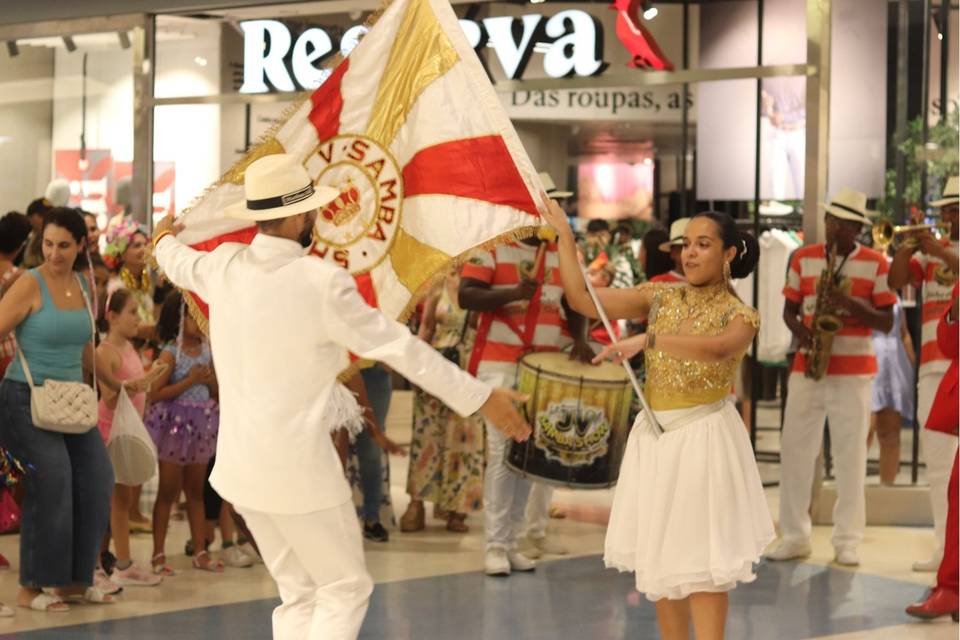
(863, 303)
(935, 269)
(517, 287)
(281, 323)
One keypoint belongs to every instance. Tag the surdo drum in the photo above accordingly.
(580, 419)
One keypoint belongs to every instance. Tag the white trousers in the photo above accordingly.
(504, 492)
(846, 401)
(317, 562)
(538, 510)
(939, 450)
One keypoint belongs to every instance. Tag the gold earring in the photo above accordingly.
(726, 270)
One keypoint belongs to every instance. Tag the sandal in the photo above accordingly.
(456, 524)
(47, 603)
(93, 595)
(213, 566)
(160, 567)
(413, 518)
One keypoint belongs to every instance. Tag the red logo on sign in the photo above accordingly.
(644, 51)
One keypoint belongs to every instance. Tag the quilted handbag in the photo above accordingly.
(65, 407)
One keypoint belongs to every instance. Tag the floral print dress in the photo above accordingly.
(447, 451)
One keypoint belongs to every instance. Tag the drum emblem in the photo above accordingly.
(357, 229)
(571, 433)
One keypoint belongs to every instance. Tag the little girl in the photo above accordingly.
(183, 423)
(117, 359)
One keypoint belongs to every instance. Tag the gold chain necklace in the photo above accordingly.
(130, 281)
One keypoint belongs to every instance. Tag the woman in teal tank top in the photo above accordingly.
(62, 526)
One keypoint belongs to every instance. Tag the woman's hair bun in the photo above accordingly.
(748, 254)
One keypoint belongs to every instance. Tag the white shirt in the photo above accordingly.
(280, 327)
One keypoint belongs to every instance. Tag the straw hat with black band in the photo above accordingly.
(848, 204)
(277, 186)
(950, 195)
(550, 187)
(677, 230)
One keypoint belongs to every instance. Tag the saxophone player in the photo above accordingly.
(936, 269)
(857, 301)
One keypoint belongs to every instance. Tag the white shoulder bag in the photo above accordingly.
(65, 407)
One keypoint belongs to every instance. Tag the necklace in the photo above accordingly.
(130, 281)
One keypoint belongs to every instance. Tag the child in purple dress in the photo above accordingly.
(183, 422)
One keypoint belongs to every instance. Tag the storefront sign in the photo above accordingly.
(657, 104)
(571, 41)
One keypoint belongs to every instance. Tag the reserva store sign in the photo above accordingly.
(571, 42)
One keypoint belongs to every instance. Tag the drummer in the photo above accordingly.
(517, 288)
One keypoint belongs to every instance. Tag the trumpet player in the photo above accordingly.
(936, 270)
(836, 293)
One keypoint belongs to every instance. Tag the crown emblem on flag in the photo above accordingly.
(344, 207)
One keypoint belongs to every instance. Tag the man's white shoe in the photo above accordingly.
(789, 550)
(520, 562)
(930, 564)
(495, 563)
(847, 557)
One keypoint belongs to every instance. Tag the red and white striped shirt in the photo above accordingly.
(852, 352)
(502, 269)
(938, 283)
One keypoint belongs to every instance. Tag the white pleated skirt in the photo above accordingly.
(689, 514)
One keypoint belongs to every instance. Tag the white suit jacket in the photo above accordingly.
(280, 327)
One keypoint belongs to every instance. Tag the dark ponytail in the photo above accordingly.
(168, 323)
(748, 249)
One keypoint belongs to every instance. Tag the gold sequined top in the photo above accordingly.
(673, 383)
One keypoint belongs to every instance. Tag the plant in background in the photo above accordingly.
(940, 155)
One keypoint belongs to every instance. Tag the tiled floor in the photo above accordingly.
(430, 586)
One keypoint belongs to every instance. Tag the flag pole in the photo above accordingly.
(655, 427)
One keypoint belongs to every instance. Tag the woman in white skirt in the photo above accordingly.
(689, 515)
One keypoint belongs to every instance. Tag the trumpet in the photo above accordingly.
(884, 233)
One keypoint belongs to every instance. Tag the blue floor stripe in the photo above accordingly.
(573, 599)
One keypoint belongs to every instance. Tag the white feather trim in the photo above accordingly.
(342, 411)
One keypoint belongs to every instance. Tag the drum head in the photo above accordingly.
(559, 363)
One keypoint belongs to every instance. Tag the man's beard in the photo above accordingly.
(306, 236)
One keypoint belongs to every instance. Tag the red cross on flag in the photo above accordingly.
(411, 133)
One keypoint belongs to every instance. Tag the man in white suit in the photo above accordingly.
(280, 327)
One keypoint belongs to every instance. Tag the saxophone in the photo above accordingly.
(826, 322)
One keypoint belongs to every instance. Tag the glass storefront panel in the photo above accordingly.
(66, 122)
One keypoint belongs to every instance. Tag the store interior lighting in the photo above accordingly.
(69, 43)
(200, 60)
(124, 38)
(649, 11)
(12, 48)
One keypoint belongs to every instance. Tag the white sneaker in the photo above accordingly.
(249, 551)
(495, 563)
(930, 564)
(789, 550)
(134, 576)
(233, 556)
(847, 557)
(520, 562)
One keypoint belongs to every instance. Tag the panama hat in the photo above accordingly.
(277, 186)
(677, 230)
(848, 204)
(950, 195)
(551, 187)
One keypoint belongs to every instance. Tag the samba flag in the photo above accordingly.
(410, 131)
